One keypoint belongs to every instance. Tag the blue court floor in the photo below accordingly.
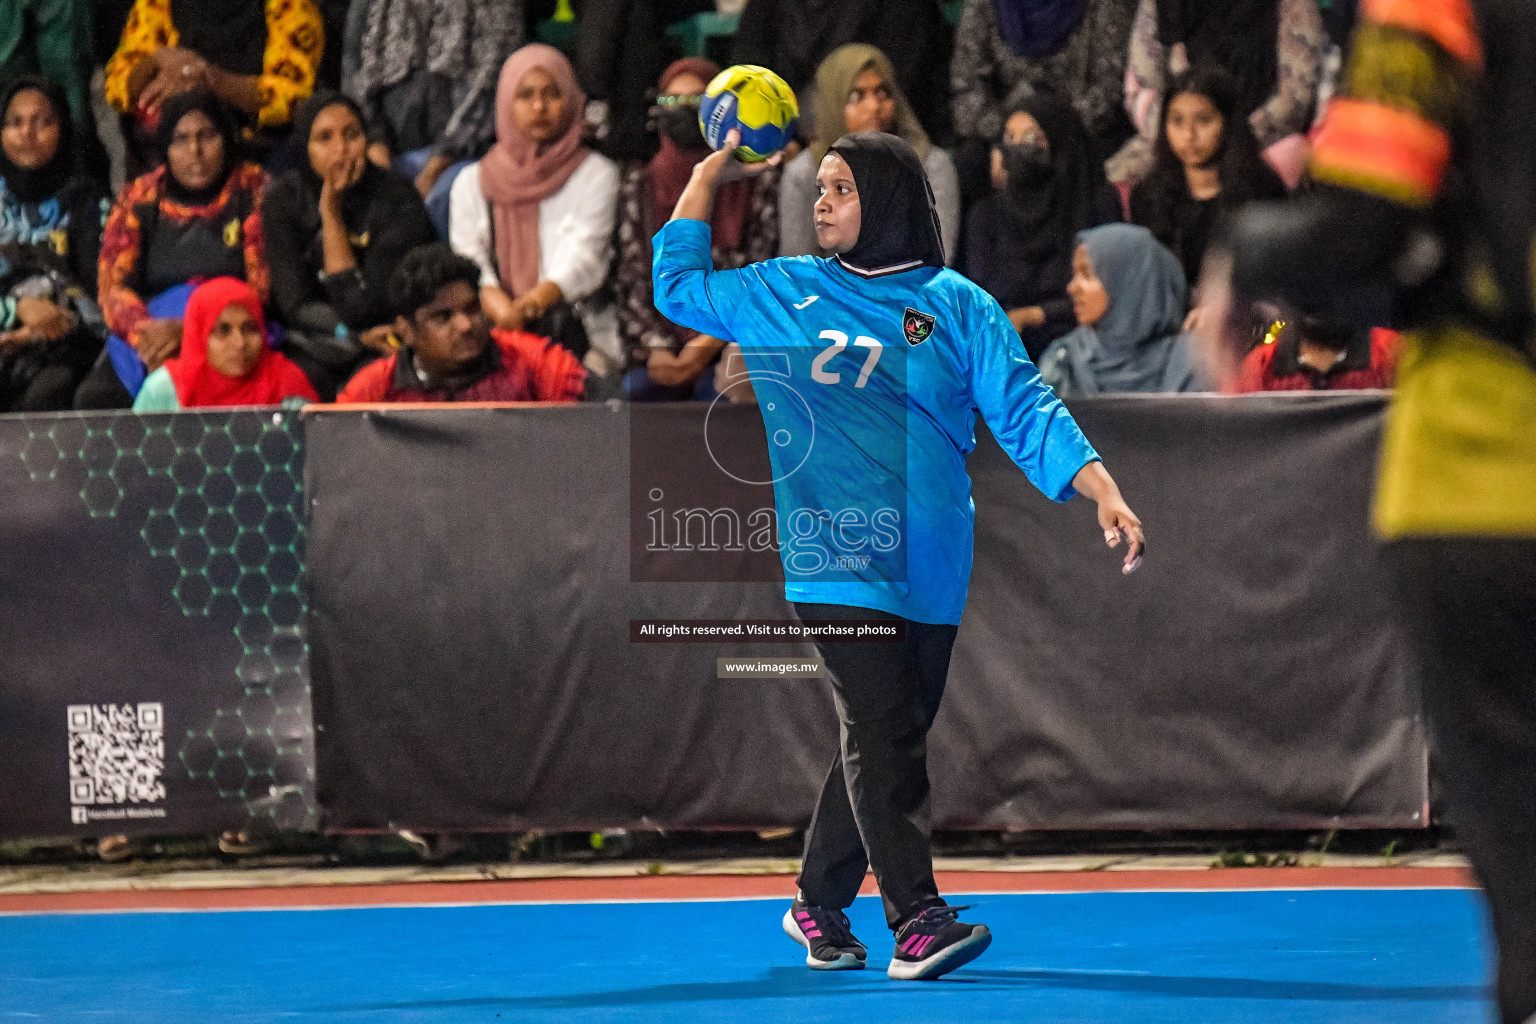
(1287, 957)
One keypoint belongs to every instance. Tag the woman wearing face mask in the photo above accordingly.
(668, 362)
(871, 366)
(856, 91)
(1128, 295)
(1206, 165)
(336, 226)
(224, 358)
(50, 230)
(1019, 239)
(197, 216)
(537, 214)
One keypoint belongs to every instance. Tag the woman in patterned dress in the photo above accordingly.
(196, 217)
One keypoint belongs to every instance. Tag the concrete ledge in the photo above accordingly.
(171, 875)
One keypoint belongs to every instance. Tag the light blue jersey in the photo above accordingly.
(869, 389)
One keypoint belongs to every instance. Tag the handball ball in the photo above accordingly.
(754, 101)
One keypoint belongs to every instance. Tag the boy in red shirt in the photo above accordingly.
(451, 353)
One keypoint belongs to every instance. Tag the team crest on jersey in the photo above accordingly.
(918, 327)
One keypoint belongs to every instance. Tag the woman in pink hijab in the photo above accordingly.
(537, 213)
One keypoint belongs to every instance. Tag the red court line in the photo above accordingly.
(695, 887)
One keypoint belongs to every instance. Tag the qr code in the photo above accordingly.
(116, 753)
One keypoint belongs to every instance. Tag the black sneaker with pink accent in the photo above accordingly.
(934, 943)
(826, 935)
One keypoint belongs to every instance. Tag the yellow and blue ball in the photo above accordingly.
(756, 102)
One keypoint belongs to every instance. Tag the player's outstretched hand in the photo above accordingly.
(1115, 516)
(1120, 523)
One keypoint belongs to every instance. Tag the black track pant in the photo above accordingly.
(1470, 610)
(873, 810)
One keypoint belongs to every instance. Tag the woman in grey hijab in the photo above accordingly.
(1127, 291)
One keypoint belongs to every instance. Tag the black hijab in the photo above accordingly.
(171, 113)
(1044, 215)
(304, 123)
(229, 33)
(356, 199)
(899, 226)
(39, 183)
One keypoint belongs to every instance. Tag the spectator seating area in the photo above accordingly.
(305, 150)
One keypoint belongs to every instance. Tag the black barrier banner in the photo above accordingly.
(474, 580)
(153, 678)
(1248, 674)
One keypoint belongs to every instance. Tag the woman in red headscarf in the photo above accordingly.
(224, 357)
(669, 362)
(537, 212)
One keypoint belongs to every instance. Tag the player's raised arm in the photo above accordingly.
(686, 288)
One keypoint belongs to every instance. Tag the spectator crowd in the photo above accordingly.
(411, 200)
